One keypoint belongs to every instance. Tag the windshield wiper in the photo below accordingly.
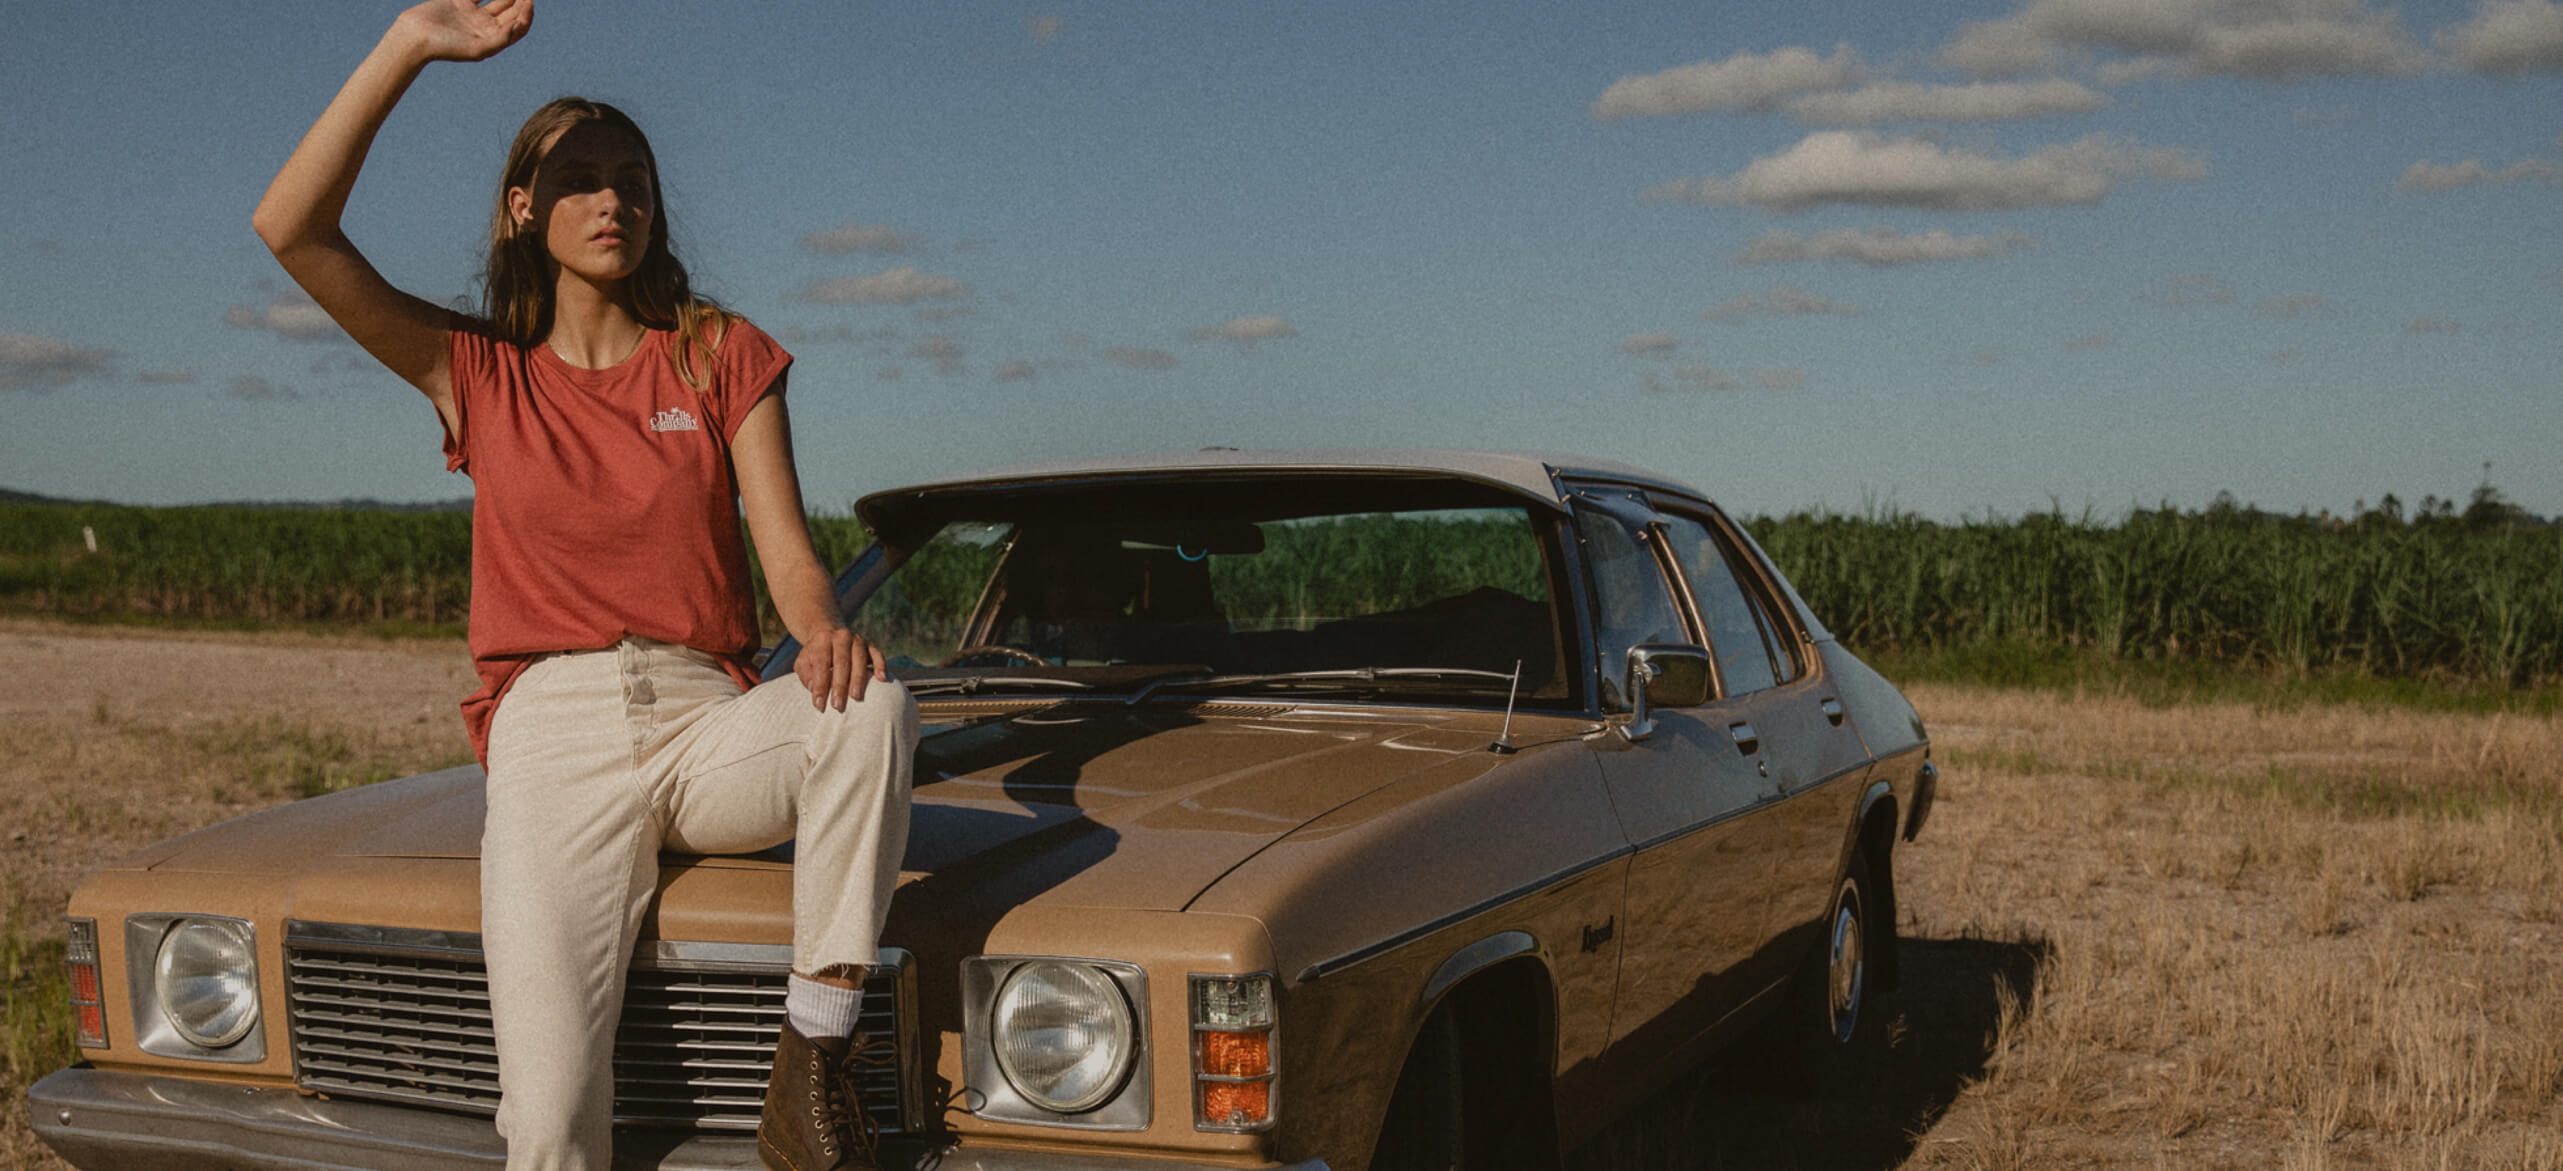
(1339, 675)
(974, 684)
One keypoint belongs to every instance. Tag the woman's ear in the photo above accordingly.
(520, 209)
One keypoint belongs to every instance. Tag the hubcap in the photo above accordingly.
(1845, 970)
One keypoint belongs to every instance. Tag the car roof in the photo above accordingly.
(1534, 475)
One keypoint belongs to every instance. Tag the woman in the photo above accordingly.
(615, 426)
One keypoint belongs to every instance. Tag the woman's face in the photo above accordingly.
(592, 199)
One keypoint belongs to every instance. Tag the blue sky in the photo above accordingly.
(1959, 258)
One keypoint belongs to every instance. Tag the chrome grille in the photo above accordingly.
(403, 1015)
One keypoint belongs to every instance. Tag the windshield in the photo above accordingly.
(1211, 592)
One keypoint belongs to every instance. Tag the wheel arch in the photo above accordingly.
(1499, 996)
(1874, 838)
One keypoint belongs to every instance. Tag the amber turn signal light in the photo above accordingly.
(1237, 1054)
(80, 962)
(1235, 1025)
(1237, 1105)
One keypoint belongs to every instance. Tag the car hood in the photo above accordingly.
(1075, 804)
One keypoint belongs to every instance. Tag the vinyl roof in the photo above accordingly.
(1531, 474)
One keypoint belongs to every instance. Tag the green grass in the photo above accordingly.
(2171, 682)
(2369, 794)
(276, 759)
(2438, 611)
(35, 1005)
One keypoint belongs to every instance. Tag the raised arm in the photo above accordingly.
(299, 216)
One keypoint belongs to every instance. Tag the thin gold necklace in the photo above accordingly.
(637, 339)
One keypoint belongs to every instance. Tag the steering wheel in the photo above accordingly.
(1027, 658)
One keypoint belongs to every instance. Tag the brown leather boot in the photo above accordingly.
(812, 1120)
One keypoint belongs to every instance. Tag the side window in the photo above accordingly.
(1740, 631)
(1631, 603)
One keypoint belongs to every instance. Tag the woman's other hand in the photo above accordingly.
(462, 30)
(835, 667)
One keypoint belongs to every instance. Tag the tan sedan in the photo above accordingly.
(1320, 809)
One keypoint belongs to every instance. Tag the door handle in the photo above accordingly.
(1746, 741)
(1832, 711)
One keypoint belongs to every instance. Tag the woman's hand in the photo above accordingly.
(835, 667)
(464, 30)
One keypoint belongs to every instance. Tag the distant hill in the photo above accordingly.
(367, 504)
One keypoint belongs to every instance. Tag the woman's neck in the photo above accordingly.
(591, 327)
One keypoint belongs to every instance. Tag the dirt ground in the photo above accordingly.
(2205, 936)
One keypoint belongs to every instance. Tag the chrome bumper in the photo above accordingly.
(103, 1121)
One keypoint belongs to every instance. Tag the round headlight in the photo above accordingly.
(208, 981)
(1063, 1035)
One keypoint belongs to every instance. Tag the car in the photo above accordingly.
(1339, 809)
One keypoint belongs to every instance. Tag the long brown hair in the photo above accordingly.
(517, 281)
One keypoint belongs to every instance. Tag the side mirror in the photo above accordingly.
(1663, 674)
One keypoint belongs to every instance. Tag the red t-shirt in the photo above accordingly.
(603, 502)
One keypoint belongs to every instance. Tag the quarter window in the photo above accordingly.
(1631, 603)
(1739, 628)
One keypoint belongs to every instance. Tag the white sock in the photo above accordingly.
(821, 1010)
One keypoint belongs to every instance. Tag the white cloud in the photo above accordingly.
(1015, 371)
(1780, 301)
(1685, 378)
(2429, 176)
(2000, 48)
(944, 352)
(1657, 344)
(1880, 246)
(897, 286)
(1860, 167)
(31, 362)
(1138, 358)
(2508, 36)
(290, 315)
(935, 313)
(252, 388)
(2434, 325)
(2294, 306)
(852, 237)
(797, 335)
(1247, 330)
(2270, 40)
(2191, 288)
(1745, 81)
(1894, 101)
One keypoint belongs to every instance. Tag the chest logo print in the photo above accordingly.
(674, 419)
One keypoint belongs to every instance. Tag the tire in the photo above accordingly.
(1834, 1024)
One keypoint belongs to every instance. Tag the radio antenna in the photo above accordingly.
(1503, 745)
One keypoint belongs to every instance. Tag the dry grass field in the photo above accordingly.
(2192, 936)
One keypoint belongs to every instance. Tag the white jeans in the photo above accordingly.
(600, 759)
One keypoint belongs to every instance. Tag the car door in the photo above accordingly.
(1816, 760)
(1697, 889)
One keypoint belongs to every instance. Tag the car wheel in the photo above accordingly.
(1836, 1021)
